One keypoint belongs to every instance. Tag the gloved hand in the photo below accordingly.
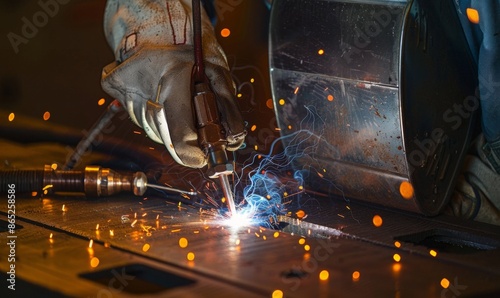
(153, 47)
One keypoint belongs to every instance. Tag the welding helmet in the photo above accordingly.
(378, 97)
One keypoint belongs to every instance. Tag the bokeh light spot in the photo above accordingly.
(445, 283)
(473, 15)
(406, 190)
(183, 242)
(377, 221)
(94, 262)
(324, 275)
(225, 32)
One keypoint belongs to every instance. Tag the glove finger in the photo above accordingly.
(137, 112)
(175, 94)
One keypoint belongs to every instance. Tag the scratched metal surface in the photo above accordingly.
(247, 261)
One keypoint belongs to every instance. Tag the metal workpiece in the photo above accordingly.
(92, 181)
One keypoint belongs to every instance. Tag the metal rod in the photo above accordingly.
(226, 188)
(191, 193)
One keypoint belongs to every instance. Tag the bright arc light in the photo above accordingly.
(238, 220)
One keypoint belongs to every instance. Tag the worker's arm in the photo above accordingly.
(152, 43)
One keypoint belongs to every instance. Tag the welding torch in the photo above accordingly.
(211, 133)
(93, 181)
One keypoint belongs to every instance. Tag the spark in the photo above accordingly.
(321, 52)
(175, 231)
(183, 242)
(111, 233)
(397, 244)
(396, 257)
(300, 214)
(355, 275)
(377, 221)
(270, 104)
(307, 247)
(133, 223)
(64, 208)
(433, 253)
(277, 294)
(324, 275)
(97, 227)
(302, 241)
(94, 262)
(46, 116)
(91, 242)
(225, 32)
(146, 247)
(445, 283)
(11, 117)
(101, 101)
(296, 90)
(406, 190)
(190, 256)
(396, 267)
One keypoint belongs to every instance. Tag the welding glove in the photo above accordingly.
(151, 76)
